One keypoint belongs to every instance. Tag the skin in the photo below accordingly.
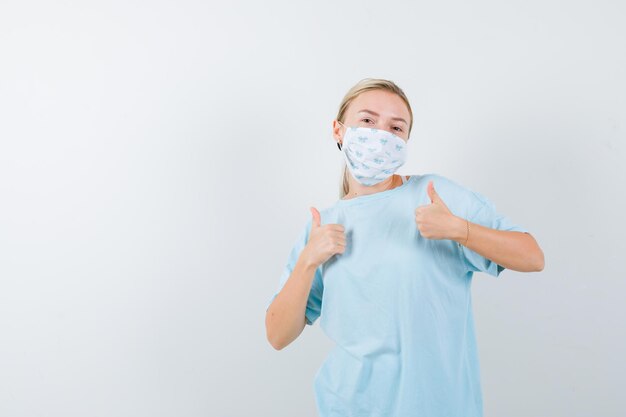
(388, 106)
(519, 251)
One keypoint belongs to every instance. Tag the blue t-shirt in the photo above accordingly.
(398, 306)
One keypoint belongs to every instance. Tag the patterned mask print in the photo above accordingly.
(371, 154)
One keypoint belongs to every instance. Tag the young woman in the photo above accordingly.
(388, 268)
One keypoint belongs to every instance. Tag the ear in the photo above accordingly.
(338, 131)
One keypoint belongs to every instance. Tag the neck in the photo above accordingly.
(356, 189)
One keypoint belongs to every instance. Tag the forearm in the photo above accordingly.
(513, 250)
(284, 320)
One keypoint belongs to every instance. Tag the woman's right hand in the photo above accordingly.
(324, 240)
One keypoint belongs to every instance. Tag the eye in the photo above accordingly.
(399, 129)
(365, 118)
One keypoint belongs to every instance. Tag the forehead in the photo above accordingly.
(383, 102)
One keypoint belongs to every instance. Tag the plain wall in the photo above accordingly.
(157, 160)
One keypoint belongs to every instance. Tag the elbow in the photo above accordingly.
(275, 342)
(539, 262)
(278, 346)
(275, 345)
(536, 261)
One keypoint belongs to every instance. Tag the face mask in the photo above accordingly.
(372, 155)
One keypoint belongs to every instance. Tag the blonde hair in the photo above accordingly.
(367, 84)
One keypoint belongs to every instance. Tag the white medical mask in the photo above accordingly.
(372, 155)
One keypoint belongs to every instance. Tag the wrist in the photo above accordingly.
(306, 262)
(459, 230)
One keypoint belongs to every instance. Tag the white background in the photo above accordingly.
(158, 158)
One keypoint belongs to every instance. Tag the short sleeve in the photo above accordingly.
(485, 214)
(314, 302)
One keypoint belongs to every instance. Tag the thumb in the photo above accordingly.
(316, 217)
(434, 197)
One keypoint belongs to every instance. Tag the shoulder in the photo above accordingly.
(457, 195)
(441, 182)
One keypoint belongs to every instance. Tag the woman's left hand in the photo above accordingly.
(435, 220)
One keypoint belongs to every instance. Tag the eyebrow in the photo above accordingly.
(376, 114)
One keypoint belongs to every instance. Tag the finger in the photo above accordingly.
(338, 237)
(316, 222)
(339, 247)
(335, 247)
(342, 240)
(434, 197)
(335, 227)
(430, 191)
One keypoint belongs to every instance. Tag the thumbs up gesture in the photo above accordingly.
(324, 240)
(435, 220)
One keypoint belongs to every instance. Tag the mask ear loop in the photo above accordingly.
(339, 144)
